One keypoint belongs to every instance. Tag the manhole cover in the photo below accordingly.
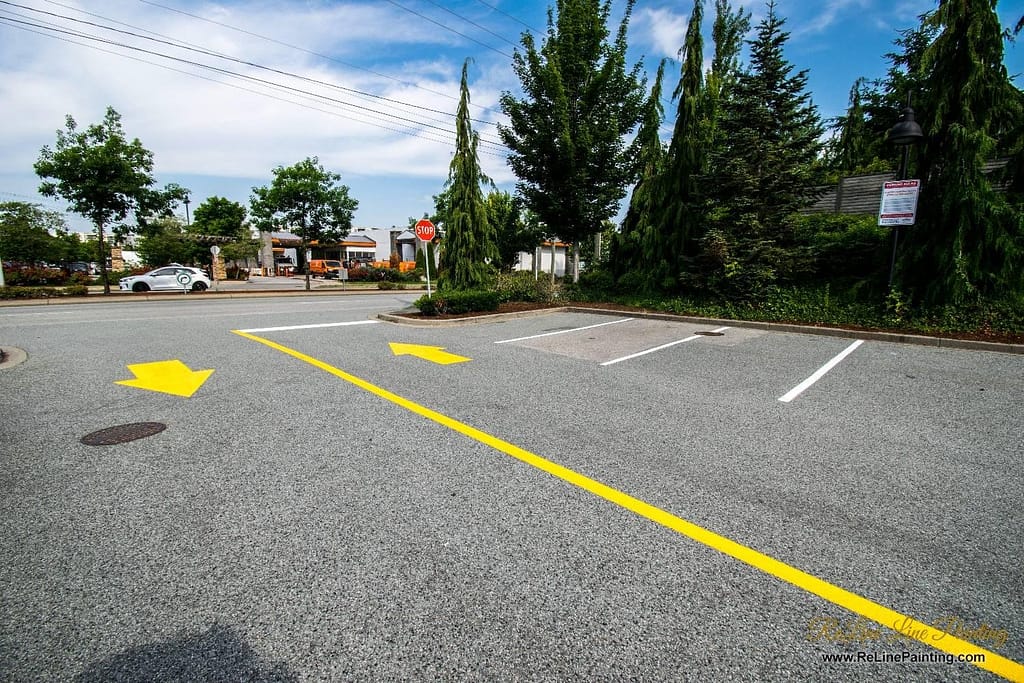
(123, 433)
(11, 356)
(709, 333)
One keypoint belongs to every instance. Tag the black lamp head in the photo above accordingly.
(906, 131)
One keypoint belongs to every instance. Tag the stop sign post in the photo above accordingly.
(425, 231)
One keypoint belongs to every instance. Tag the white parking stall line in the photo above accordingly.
(800, 388)
(658, 348)
(311, 327)
(575, 329)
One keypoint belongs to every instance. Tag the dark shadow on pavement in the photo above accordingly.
(218, 654)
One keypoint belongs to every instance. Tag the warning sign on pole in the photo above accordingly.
(899, 202)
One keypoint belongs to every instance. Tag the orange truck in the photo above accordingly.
(325, 268)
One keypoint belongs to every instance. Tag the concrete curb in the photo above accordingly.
(867, 335)
(473, 320)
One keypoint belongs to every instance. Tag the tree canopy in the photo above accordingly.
(103, 176)
(969, 243)
(567, 133)
(306, 200)
(29, 233)
(219, 217)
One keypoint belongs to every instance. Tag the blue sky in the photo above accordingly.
(368, 87)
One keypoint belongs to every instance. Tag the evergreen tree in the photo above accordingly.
(860, 143)
(769, 131)
(969, 242)
(727, 32)
(682, 212)
(626, 253)
(469, 243)
(567, 133)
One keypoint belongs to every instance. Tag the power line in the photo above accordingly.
(448, 28)
(471, 22)
(502, 12)
(302, 49)
(173, 42)
(310, 95)
(246, 63)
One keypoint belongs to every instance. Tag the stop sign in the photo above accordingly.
(424, 230)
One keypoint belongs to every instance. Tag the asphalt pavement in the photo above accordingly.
(573, 496)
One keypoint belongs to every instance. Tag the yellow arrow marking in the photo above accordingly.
(435, 354)
(166, 376)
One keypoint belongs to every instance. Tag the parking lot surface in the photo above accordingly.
(569, 496)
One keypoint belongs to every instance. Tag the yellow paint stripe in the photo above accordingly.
(997, 664)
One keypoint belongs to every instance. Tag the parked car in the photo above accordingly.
(173, 278)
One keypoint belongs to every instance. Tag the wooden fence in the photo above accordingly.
(862, 194)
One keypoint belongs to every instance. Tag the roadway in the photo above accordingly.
(571, 496)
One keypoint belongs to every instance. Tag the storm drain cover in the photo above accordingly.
(709, 333)
(123, 433)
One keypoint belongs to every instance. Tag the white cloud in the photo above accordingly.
(207, 124)
(661, 29)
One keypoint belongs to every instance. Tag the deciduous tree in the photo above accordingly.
(100, 173)
(568, 131)
(307, 200)
(29, 233)
(219, 217)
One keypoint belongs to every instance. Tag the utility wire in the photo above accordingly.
(471, 22)
(502, 12)
(302, 49)
(24, 24)
(195, 48)
(448, 28)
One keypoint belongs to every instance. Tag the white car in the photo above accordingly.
(173, 278)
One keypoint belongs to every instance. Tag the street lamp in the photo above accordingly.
(186, 201)
(905, 133)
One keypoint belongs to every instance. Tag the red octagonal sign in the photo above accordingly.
(424, 230)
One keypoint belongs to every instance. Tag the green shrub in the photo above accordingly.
(17, 292)
(523, 286)
(384, 275)
(426, 304)
(468, 301)
(76, 290)
(844, 245)
(596, 281)
(387, 284)
(28, 276)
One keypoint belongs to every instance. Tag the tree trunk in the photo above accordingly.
(103, 258)
(575, 262)
(305, 262)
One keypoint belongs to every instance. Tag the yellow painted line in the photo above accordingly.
(917, 630)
